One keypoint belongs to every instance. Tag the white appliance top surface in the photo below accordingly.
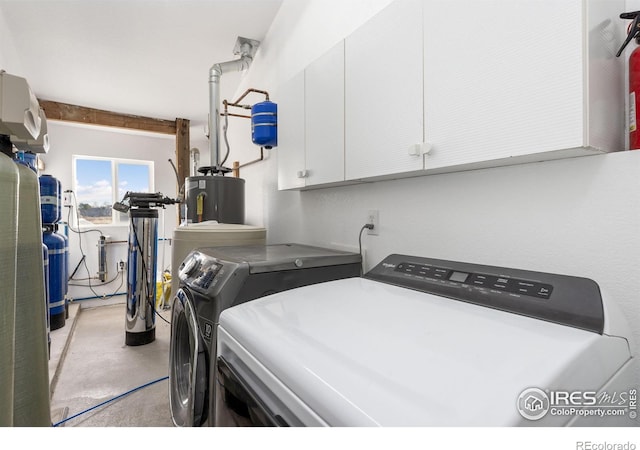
(213, 226)
(361, 352)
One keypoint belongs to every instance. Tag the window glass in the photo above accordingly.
(133, 178)
(94, 193)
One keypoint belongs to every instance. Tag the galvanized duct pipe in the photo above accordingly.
(246, 48)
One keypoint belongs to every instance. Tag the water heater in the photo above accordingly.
(215, 198)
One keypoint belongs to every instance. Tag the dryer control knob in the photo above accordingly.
(189, 266)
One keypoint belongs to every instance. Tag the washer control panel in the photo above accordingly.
(501, 283)
(199, 271)
(562, 299)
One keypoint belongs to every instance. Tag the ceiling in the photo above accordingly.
(143, 57)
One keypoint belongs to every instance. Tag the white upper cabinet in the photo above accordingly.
(324, 118)
(433, 86)
(518, 81)
(311, 124)
(290, 150)
(384, 93)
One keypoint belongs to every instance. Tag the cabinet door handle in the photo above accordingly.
(421, 149)
(303, 173)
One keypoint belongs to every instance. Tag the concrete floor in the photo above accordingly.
(90, 364)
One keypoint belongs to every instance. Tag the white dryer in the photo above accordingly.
(425, 342)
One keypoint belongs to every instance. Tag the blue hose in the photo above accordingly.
(95, 297)
(109, 401)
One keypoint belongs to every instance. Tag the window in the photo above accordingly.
(100, 182)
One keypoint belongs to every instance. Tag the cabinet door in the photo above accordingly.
(324, 117)
(384, 92)
(502, 79)
(290, 150)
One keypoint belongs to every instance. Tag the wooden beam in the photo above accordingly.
(91, 116)
(183, 147)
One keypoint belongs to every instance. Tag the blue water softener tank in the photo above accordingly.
(264, 124)
(50, 199)
(28, 159)
(57, 278)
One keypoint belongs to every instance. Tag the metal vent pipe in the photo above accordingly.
(246, 48)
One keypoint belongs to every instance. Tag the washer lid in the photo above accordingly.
(269, 258)
(361, 352)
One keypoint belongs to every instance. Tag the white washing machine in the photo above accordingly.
(424, 342)
(209, 234)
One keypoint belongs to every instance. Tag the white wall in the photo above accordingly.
(301, 32)
(9, 58)
(578, 217)
(69, 139)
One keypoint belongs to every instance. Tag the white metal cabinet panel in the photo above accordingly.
(324, 117)
(383, 93)
(507, 79)
(290, 150)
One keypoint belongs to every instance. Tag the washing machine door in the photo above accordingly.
(187, 364)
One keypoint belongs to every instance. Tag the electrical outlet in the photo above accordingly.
(67, 199)
(374, 219)
(122, 266)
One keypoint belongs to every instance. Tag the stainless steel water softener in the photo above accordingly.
(141, 277)
(140, 325)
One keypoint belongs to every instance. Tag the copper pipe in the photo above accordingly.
(247, 92)
(236, 169)
(238, 105)
(237, 165)
(235, 115)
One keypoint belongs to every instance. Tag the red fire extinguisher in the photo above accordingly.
(634, 78)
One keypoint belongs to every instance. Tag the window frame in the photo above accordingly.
(115, 196)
